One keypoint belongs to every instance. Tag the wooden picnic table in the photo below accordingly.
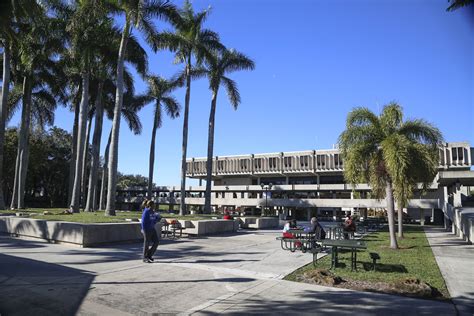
(351, 244)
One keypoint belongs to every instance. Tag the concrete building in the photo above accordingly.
(302, 184)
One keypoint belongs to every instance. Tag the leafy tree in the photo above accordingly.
(219, 66)
(390, 154)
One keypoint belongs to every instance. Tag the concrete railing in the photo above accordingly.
(463, 223)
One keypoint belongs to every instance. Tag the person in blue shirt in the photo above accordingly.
(149, 219)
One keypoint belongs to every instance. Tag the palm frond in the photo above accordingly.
(232, 91)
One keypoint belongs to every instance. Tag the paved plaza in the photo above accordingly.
(233, 274)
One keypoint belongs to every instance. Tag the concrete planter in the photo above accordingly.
(259, 222)
(209, 227)
(89, 235)
(85, 235)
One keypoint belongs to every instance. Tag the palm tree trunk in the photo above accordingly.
(76, 191)
(3, 112)
(210, 150)
(400, 222)
(184, 148)
(72, 163)
(14, 201)
(390, 210)
(91, 204)
(113, 155)
(152, 152)
(104, 174)
(84, 163)
(23, 172)
(22, 158)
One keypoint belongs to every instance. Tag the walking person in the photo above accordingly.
(149, 219)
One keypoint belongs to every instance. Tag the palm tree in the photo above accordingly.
(138, 14)
(85, 29)
(190, 38)
(131, 106)
(456, 4)
(390, 154)
(38, 44)
(159, 89)
(10, 11)
(219, 66)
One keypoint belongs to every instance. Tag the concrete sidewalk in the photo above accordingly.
(239, 274)
(455, 259)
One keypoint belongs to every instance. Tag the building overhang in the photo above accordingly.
(465, 178)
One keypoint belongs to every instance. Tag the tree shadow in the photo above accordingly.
(37, 288)
(385, 268)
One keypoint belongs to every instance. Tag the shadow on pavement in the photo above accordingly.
(30, 287)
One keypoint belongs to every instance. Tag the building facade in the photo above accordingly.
(303, 184)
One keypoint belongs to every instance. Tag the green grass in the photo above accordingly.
(95, 217)
(413, 259)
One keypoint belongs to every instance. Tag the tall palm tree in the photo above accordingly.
(39, 43)
(138, 14)
(159, 89)
(131, 106)
(219, 66)
(190, 39)
(390, 154)
(84, 28)
(10, 11)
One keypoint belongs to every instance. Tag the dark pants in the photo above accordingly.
(150, 237)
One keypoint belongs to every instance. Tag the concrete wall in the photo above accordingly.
(85, 235)
(259, 222)
(209, 227)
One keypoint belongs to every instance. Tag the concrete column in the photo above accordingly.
(457, 198)
(308, 214)
(287, 180)
(422, 217)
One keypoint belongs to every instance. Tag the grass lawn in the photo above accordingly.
(414, 259)
(95, 217)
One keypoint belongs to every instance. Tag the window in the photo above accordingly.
(272, 163)
(304, 160)
(258, 163)
(454, 152)
(287, 161)
(243, 164)
(460, 153)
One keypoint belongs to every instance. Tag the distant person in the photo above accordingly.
(149, 219)
(287, 234)
(349, 226)
(293, 224)
(316, 228)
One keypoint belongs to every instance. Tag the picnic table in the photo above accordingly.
(171, 227)
(351, 244)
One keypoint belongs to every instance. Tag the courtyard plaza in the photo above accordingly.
(233, 274)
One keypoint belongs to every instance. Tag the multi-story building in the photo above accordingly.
(302, 184)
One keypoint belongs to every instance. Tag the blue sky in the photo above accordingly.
(315, 61)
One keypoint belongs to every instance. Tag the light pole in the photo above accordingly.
(266, 188)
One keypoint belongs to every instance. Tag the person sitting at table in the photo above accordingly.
(293, 224)
(287, 234)
(316, 229)
(349, 226)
